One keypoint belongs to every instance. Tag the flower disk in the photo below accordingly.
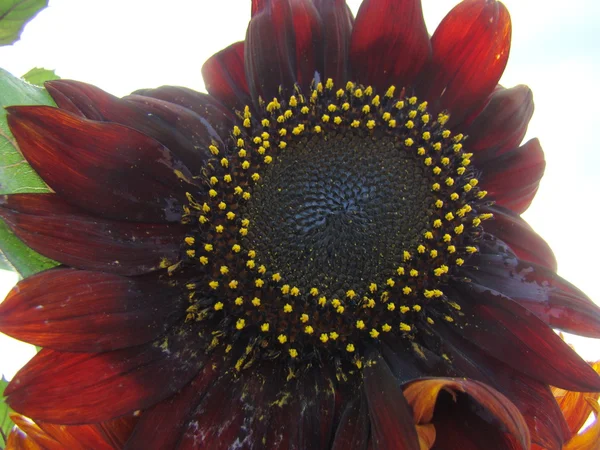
(337, 218)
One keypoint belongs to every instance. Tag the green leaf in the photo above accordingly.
(14, 14)
(5, 423)
(16, 175)
(39, 75)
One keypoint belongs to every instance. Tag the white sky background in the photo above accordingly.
(123, 45)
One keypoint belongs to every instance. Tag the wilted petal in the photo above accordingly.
(422, 396)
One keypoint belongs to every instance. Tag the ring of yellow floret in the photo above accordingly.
(290, 318)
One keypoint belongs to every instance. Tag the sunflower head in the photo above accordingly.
(324, 251)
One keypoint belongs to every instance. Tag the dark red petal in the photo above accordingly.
(218, 421)
(337, 28)
(184, 133)
(303, 417)
(520, 237)
(257, 6)
(426, 397)
(502, 124)
(99, 436)
(53, 228)
(225, 79)
(461, 425)
(552, 299)
(162, 426)
(283, 47)
(390, 44)
(509, 332)
(392, 422)
(533, 398)
(513, 178)
(76, 388)
(353, 429)
(470, 51)
(220, 117)
(104, 168)
(81, 311)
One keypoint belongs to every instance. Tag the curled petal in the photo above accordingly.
(422, 396)
(104, 168)
(533, 398)
(502, 124)
(513, 178)
(470, 51)
(588, 439)
(225, 78)
(509, 332)
(31, 435)
(390, 44)
(576, 406)
(81, 311)
(61, 232)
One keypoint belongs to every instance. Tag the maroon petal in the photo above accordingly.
(337, 28)
(460, 424)
(513, 178)
(76, 388)
(390, 44)
(81, 311)
(218, 421)
(60, 232)
(303, 416)
(520, 237)
(225, 79)
(502, 124)
(534, 399)
(553, 300)
(109, 435)
(467, 399)
(353, 429)
(392, 422)
(220, 117)
(283, 47)
(184, 133)
(162, 426)
(507, 331)
(104, 168)
(470, 51)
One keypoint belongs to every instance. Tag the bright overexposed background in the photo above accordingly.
(121, 46)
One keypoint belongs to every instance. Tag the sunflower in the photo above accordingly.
(324, 251)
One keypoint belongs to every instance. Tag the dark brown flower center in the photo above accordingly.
(338, 213)
(330, 222)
